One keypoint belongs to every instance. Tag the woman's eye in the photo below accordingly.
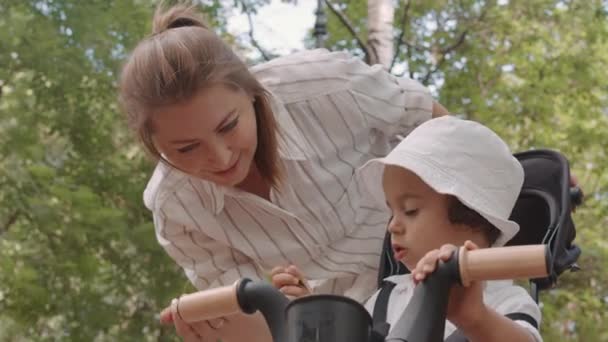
(187, 148)
(230, 126)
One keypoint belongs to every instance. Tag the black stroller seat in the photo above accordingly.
(543, 212)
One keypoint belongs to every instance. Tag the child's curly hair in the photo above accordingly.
(458, 213)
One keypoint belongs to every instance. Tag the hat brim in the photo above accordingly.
(371, 176)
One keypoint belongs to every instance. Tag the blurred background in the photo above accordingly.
(78, 256)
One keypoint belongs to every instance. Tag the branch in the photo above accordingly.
(456, 44)
(442, 54)
(411, 72)
(254, 42)
(409, 58)
(483, 87)
(11, 220)
(401, 41)
(403, 26)
(342, 17)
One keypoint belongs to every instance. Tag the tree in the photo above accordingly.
(535, 72)
(380, 15)
(78, 257)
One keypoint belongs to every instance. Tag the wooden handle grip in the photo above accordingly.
(209, 304)
(499, 263)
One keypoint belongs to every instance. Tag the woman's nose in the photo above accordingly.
(219, 156)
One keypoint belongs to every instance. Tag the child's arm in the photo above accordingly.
(290, 281)
(466, 308)
(493, 326)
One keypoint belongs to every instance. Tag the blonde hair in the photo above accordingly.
(179, 58)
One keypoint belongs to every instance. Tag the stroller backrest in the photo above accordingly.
(543, 210)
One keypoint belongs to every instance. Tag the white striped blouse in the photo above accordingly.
(335, 113)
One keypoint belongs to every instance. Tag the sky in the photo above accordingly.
(279, 27)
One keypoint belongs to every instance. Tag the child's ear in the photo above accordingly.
(479, 237)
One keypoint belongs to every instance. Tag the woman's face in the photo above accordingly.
(212, 136)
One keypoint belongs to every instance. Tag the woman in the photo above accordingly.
(258, 167)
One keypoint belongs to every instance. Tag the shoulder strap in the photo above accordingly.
(458, 336)
(380, 325)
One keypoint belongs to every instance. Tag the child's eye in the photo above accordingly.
(411, 212)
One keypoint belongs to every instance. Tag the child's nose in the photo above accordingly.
(395, 227)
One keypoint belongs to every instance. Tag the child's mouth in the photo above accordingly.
(399, 252)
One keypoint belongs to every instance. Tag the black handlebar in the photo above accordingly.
(576, 196)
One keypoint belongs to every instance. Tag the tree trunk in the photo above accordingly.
(380, 37)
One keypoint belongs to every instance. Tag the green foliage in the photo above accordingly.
(78, 256)
(76, 244)
(535, 72)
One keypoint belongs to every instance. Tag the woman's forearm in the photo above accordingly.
(439, 110)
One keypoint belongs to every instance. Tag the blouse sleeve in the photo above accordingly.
(391, 105)
(206, 262)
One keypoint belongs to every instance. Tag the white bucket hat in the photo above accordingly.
(460, 158)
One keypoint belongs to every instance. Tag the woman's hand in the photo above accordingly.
(290, 281)
(439, 110)
(192, 332)
(465, 307)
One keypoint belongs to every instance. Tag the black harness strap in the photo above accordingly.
(380, 325)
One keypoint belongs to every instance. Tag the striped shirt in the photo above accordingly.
(335, 113)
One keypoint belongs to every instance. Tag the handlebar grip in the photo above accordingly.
(530, 261)
(209, 304)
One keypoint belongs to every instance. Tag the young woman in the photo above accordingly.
(258, 166)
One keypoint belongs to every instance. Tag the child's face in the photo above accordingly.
(420, 217)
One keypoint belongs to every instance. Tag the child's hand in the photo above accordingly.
(465, 307)
(290, 281)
